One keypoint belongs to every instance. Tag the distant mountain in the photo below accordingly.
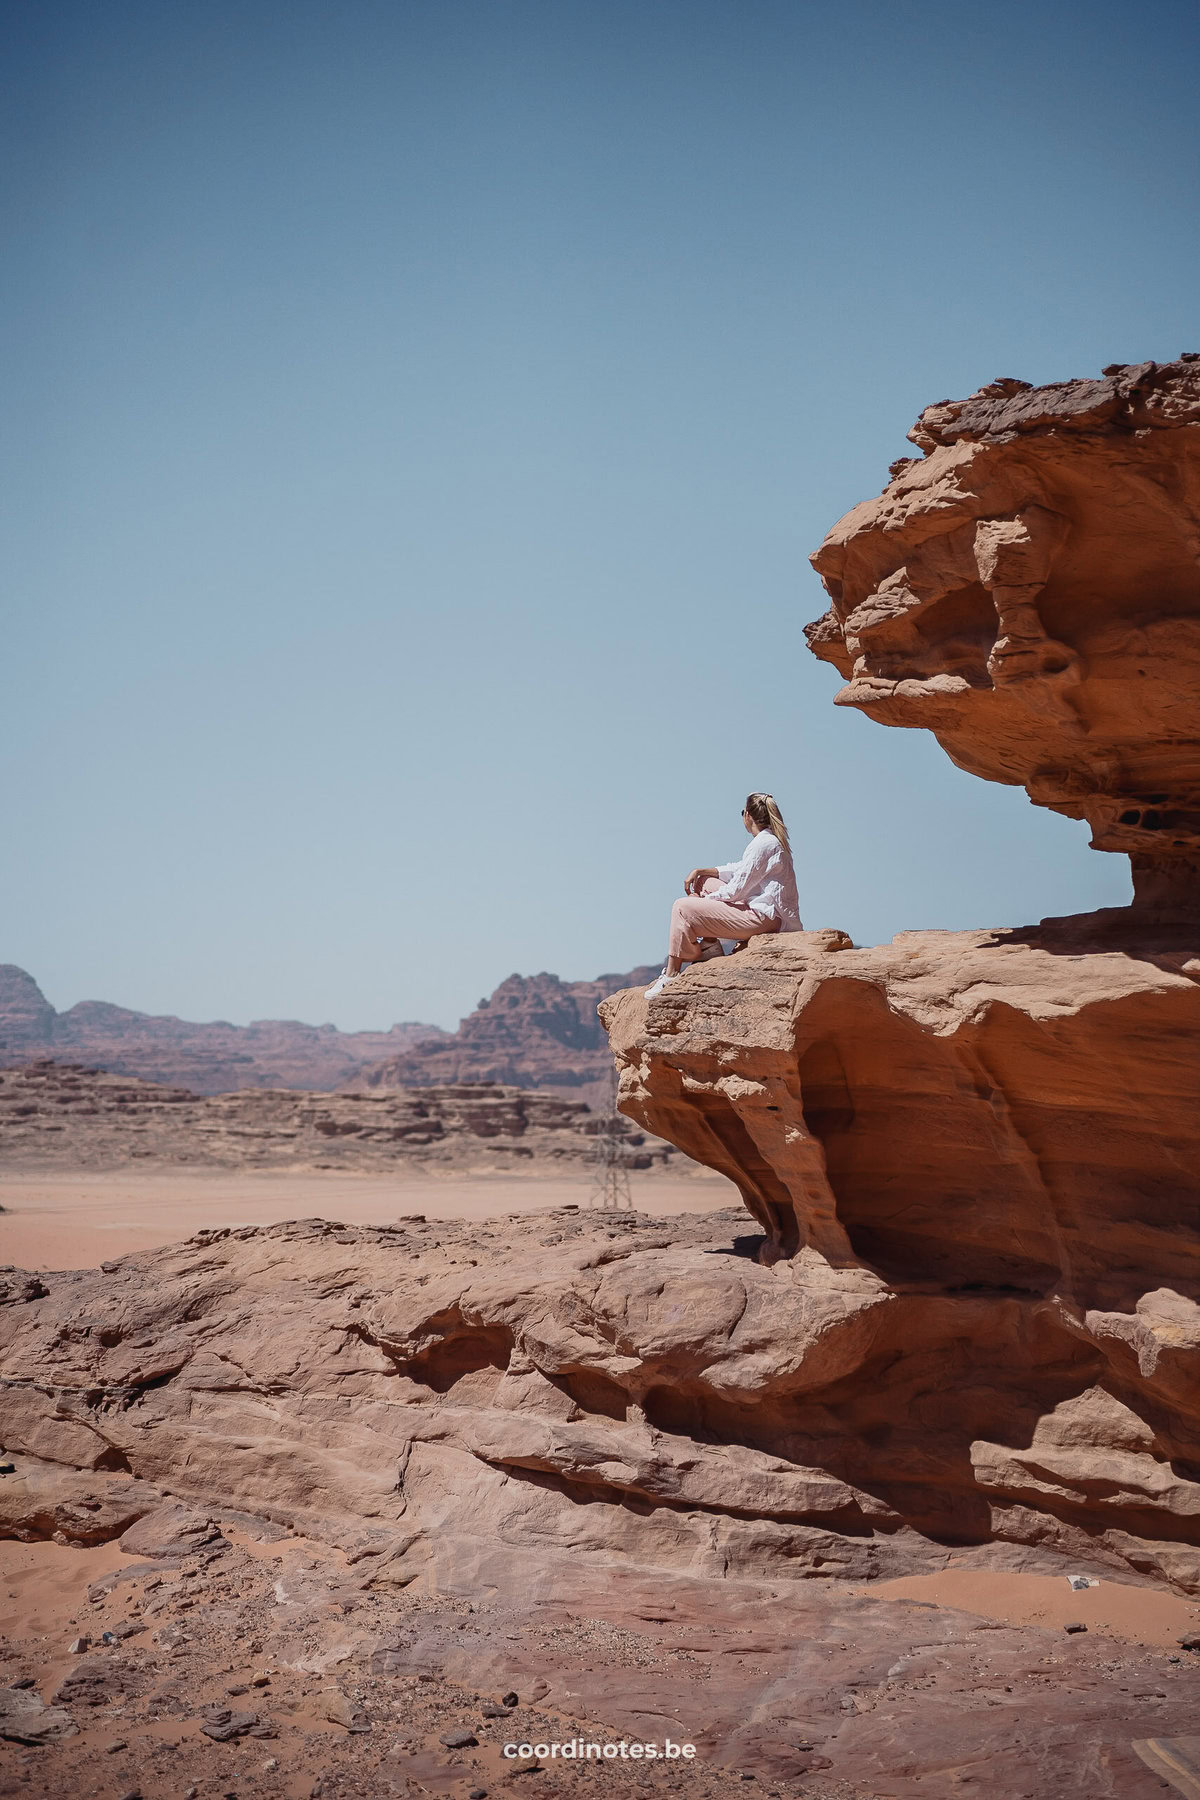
(535, 1031)
(214, 1058)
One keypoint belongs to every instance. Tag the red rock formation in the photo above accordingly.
(1018, 1110)
(534, 1032)
(1001, 1128)
(1029, 591)
(214, 1058)
(623, 1390)
(54, 1115)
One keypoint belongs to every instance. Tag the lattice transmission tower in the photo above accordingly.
(610, 1175)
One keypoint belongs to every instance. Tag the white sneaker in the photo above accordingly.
(660, 984)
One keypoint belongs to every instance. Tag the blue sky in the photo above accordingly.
(419, 418)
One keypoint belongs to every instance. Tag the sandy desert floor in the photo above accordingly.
(71, 1221)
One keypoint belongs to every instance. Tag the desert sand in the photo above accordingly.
(69, 1220)
(1136, 1615)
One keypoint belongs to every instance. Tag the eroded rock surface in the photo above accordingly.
(1029, 591)
(569, 1386)
(982, 1151)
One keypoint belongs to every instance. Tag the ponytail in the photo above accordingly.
(767, 817)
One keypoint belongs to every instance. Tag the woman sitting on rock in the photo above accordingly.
(737, 900)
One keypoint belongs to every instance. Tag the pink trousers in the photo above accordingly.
(697, 915)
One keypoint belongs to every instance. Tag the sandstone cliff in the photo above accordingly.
(997, 1131)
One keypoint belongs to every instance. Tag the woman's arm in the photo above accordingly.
(697, 879)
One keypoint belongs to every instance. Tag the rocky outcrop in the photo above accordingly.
(1011, 1110)
(1029, 591)
(983, 1148)
(55, 1115)
(535, 1031)
(998, 1135)
(213, 1058)
(572, 1385)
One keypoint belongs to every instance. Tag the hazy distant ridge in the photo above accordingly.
(534, 1031)
(211, 1058)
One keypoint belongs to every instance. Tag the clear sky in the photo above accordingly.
(418, 419)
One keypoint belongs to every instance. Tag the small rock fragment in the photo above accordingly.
(222, 1725)
(509, 1700)
(78, 1645)
(341, 1711)
(462, 1739)
(1191, 1641)
(1075, 1625)
(117, 1744)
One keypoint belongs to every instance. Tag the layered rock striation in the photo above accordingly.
(487, 1399)
(57, 1116)
(1029, 591)
(982, 1150)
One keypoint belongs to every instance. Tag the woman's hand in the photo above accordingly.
(697, 879)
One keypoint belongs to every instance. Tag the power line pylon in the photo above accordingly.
(610, 1176)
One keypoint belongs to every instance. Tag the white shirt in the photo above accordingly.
(764, 881)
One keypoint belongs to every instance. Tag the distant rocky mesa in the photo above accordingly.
(997, 1132)
(58, 1116)
(535, 1032)
(211, 1058)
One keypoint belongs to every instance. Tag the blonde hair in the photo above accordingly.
(767, 816)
